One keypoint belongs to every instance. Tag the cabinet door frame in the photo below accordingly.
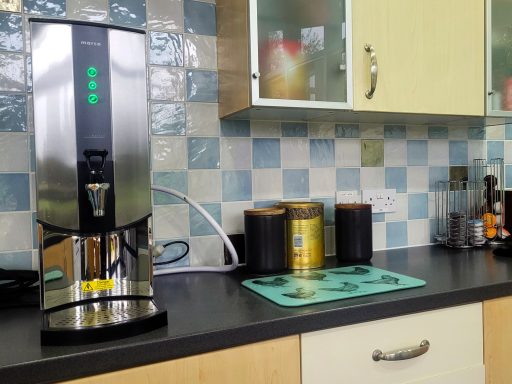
(254, 65)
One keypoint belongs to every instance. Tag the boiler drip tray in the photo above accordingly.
(100, 321)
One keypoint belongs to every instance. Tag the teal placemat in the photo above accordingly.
(310, 287)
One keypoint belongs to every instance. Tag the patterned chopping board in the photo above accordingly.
(318, 286)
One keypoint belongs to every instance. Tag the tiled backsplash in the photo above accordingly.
(227, 166)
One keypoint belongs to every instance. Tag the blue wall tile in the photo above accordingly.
(16, 260)
(203, 153)
(295, 183)
(458, 152)
(437, 132)
(417, 152)
(13, 113)
(347, 131)
(321, 153)
(508, 176)
(394, 131)
(294, 129)
(436, 174)
(476, 133)
(47, 8)
(418, 206)
(168, 119)
(236, 185)
(396, 177)
(199, 18)
(14, 192)
(508, 131)
(128, 13)
(166, 49)
(11, 37)
(265, 203)
(328, 210)
(202, 86)
(235, 128)
(495, 149)
(396, 234)
(378, 217)
(198, 224)
(266, 153)
(177, 180)
(172, 252)
(348, 179)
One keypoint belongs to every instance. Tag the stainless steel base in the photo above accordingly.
(101, 313)
(101, 320)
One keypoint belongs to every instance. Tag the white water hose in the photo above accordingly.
(213, 223)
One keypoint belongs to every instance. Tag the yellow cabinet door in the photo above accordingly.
(430, 56)
(275, 361)
(497, 338)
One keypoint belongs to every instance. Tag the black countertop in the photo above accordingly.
(211, 311)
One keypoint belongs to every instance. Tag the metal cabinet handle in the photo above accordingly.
(401, 354)
(374, 69)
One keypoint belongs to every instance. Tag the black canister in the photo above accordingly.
(353, 232)
(265, 251)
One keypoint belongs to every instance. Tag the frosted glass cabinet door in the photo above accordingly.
(499, 56)
(301, 53)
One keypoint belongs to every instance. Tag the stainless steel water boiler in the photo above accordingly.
(92, 181)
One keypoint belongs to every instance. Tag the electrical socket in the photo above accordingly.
(348, 197)
(382, 200)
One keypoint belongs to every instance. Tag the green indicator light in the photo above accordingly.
(92, 98)
(92, 72)
(92, 85)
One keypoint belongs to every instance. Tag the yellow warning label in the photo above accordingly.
(97, 285)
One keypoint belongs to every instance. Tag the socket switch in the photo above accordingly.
(348, 197)
(382, 200)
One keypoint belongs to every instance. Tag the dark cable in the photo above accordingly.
(177, 258)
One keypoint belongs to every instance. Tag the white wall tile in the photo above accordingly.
(235, 153)
(233, 216)
(402, 208)
(202, 119)
(295, 152)
(348, 152)
(15, 231)
(168, 153)
(379, 236)
(438, 153)
(262, 128)
(206, 251)
(204, 185)
(170, 221)
(476, 150)
(395, 153)
(508, 152)
(14, 156)
(373, 178)
(322, 182)
(418, 232)
(417, 132)
(321, 130)
(417, 179)
(495, 132)
(267, 184)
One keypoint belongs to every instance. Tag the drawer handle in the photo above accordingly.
(401, 354)
(374, 69)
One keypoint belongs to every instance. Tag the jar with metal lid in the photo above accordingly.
(304, 234)
(265, 251)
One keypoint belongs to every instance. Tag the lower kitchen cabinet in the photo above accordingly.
(344, 355)
(276, 362)
(497, 339)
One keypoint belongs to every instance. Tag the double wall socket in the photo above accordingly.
(382, 200)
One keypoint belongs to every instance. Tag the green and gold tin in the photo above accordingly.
(304, 234)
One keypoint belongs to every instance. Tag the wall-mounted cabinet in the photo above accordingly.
(311, 60)
(499, 58)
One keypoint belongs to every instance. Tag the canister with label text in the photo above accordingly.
(265, 251)
(304, 234)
